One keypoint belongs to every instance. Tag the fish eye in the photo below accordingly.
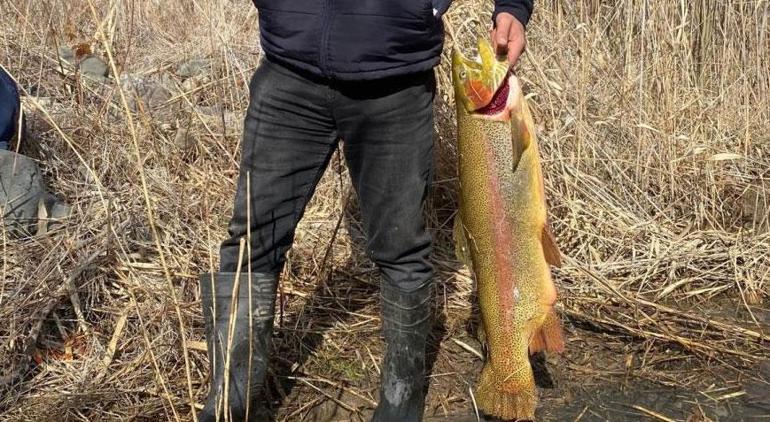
(463, 74)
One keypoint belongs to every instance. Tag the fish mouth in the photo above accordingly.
(499, 102)
(478, 80)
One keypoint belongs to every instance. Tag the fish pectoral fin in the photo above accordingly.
(549, 336)
(461, 243)
(550, 249)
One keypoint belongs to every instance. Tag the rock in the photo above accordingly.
(50, 212)
(57, 209)
(191, 68)
(94, 68)
(185, 138)
(151, 93)
(27, 207)
(67, 54)
(22, 192)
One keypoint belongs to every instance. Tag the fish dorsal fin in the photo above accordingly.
(550, 249)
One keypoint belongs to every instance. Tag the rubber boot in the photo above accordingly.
(225, 296)
(406, 320)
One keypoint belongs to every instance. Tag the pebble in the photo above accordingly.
(185, 139)
(192, 68)
(67, 54)
(94, 68)
(151, 92)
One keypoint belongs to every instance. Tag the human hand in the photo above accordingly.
(509, 37)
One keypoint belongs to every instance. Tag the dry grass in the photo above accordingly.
(654, 122)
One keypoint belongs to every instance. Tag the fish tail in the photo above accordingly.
(549, 336)
(513, 398)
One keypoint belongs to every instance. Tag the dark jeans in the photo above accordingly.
(292, 127)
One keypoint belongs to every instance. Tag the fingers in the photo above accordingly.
(501, 33)
(516, 45)
(508, 37)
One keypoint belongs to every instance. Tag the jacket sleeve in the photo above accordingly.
(520, 9)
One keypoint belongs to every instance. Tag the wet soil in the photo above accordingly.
(590, 382)
(327, 365)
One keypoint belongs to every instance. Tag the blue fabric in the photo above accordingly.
(357, 39)
(9, 108)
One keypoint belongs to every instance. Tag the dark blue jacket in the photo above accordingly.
(360, 39)
(9, 108)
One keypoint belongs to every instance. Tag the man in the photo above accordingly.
(358, 70)
(9, 108)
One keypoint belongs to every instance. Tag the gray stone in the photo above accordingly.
(191, 68)
(57, 210)
(27, 207)
(67, 54)
(185, 138)
(94, 68)
(21, 192)
(150, 93)
(50, 212)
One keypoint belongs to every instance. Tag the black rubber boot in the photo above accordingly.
(246, 376)
(406, 320)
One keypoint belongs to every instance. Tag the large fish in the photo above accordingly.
(502, 231)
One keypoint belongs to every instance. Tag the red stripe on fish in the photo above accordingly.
(503, 243)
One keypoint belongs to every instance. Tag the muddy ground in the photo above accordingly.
(328, 371)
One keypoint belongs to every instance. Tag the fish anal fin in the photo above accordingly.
(549, 337)
(550, 249)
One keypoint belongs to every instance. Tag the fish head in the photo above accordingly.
(479, 82)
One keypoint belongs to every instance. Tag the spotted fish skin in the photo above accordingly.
(502, 233)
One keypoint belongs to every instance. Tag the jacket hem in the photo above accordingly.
(357, 75)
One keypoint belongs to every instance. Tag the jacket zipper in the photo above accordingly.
(325, 34)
